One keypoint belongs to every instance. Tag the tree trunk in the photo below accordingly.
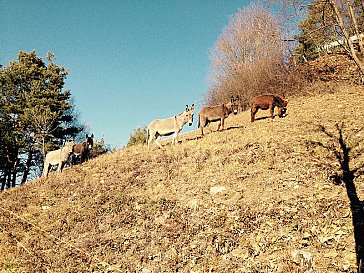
(3, 182)
(14, 172)
(355, 24)
(27, 167)
(8, 178)
(346, 34)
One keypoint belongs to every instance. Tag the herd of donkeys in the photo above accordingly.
(173, 125)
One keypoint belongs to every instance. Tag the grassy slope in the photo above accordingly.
(244, 200)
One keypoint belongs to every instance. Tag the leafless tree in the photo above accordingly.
(249, 57)
(342, 16)
(347, 12)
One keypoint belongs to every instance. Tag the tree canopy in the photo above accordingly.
(35, 115)
(329, 24)
(139, 136)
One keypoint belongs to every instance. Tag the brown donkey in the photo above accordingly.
(269, 101)
(82, 150)
(217, 113)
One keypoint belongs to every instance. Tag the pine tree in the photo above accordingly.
(34, 111)
(139, 136)
(316, 30)
(330, 21)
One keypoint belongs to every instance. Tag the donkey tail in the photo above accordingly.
(198, 121)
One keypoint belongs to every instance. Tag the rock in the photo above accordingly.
(217, 189)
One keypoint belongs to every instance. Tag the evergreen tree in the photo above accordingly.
(34, 112)
(316, 30)
(139, 136)
(329, 21)
(99, 148)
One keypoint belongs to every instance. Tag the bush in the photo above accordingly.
(138, 137)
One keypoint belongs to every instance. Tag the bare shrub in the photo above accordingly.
(249, 58)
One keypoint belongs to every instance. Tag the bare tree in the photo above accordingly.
(248, 57)
(340, 16)
(335, 20)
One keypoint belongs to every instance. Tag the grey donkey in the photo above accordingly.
(58, 157)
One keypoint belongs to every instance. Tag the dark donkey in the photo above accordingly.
(269, 101)
(82, 150)
(217, 113)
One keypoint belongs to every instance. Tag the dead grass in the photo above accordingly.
(253, 198)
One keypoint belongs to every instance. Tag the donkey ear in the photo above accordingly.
(192, 106)
(237, 97)
(86, 135)
(92, 136)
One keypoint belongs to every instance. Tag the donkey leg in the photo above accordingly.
(45, 170)
(209, 126)
(218, 125)
(222, 124)
(150, 139)
(271, 112)
(157, 141)
(175, 138)
(253, 111)
(73, 159)
(202, 125)
(60, 167)
(83, 157)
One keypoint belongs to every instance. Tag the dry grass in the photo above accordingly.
(253, 198)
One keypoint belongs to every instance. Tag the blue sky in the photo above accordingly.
(129, 62)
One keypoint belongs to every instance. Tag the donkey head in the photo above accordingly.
(235, 104)
(90, 141)
(282, 112)
(282, 109)
(69, 146)
(189, 114)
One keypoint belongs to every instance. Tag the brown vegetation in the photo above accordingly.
(330, 68)
(257, 197)
(249, 58)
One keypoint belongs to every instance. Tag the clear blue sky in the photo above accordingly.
(129, 61)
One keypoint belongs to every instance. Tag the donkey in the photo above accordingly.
(169, 126)
(57, 157)
(217, 113)
(269, 101)
(82, 150)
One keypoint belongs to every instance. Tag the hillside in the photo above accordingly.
(257, 197)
